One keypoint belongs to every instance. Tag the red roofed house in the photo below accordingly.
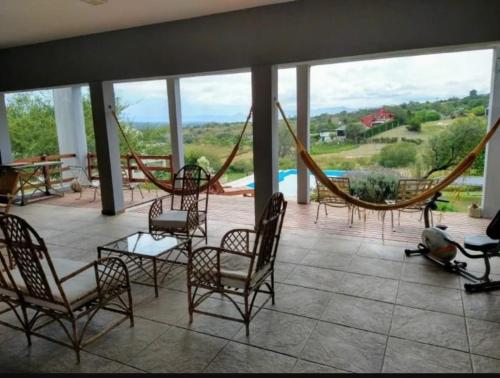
(378, 118)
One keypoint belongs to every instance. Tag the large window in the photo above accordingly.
(32, 124)
(214, 108)
(142, 108)
(407, 117)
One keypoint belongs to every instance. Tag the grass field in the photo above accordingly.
(428, 129)
(460, 201)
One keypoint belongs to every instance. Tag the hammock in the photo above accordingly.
(169, 188)
(450, 178)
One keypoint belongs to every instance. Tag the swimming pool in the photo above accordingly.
(287, 179)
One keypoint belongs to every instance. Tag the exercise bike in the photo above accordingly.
(439, 248)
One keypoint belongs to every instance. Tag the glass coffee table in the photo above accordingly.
(149, 257)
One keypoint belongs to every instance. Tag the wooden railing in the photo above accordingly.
(162, 164)
(48, 172)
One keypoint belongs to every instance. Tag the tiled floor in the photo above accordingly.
(343, 304)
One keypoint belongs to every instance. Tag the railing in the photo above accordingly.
(48, 172)
(162, 164)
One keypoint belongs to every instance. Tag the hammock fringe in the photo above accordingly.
(450, 178)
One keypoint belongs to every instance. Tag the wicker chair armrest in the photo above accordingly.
(237, 239)
(204, 266)
(112, 276)
(111, 273)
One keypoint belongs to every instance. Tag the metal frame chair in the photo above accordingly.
(127, 184)
(328, 199)
(242, 264)
(187, 215)
(407, 189)
(80, 175)
(59, 290)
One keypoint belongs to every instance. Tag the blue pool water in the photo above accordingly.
(288, 180)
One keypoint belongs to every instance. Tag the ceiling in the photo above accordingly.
(25, 22)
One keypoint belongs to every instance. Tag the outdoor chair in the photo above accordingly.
(132, 186)
(82, 181)
(240, 267)
(64, 291)
(407, 189)
(9, 182)
(187, 213)
(327, 199)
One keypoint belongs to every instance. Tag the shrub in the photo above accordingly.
(400, 154)
(374, 186)
(478, 110)
(414, 125)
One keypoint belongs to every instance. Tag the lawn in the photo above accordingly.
(460, 201)
(428, 129)
(327, 148)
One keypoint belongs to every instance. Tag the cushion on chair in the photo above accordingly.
(81, 286)
(480, 243)
(173, 219)
(234, 271)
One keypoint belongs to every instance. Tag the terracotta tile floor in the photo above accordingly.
(345, 301)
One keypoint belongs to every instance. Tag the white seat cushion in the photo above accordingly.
(173, 219)
(234, 270)
(81, 286)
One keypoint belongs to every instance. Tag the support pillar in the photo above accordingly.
(175, 115)
(107, 146)
(303, 109)
(5, 147)
(491, 188)
(265, 134)
(70, 124)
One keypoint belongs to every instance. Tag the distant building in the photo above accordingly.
(325, 136)
(380, 117)
(340, 133)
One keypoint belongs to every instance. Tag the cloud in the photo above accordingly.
(359, 84)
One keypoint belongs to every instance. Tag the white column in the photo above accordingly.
(491, 189)
(303, 108)
(5, 148)
(107, 146)
(265, 134)
(70, 124)
(175, 116)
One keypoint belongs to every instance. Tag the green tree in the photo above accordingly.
(32, 125)
(354, 132)
(400, 154)
(451, 145)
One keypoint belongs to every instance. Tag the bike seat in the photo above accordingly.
(441, 226)
(480, 243)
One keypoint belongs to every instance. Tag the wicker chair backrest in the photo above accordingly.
(269, 231)
(189, 178)
(27, 249)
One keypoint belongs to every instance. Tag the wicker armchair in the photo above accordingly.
(61, 290)
(9, 181)
(407, 189)
(241, 266)
(187, 215)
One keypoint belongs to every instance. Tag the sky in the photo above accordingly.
(334, 87)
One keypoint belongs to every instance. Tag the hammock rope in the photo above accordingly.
(169, 188)
(447, 180)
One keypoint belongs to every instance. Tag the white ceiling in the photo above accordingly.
(31, 21)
